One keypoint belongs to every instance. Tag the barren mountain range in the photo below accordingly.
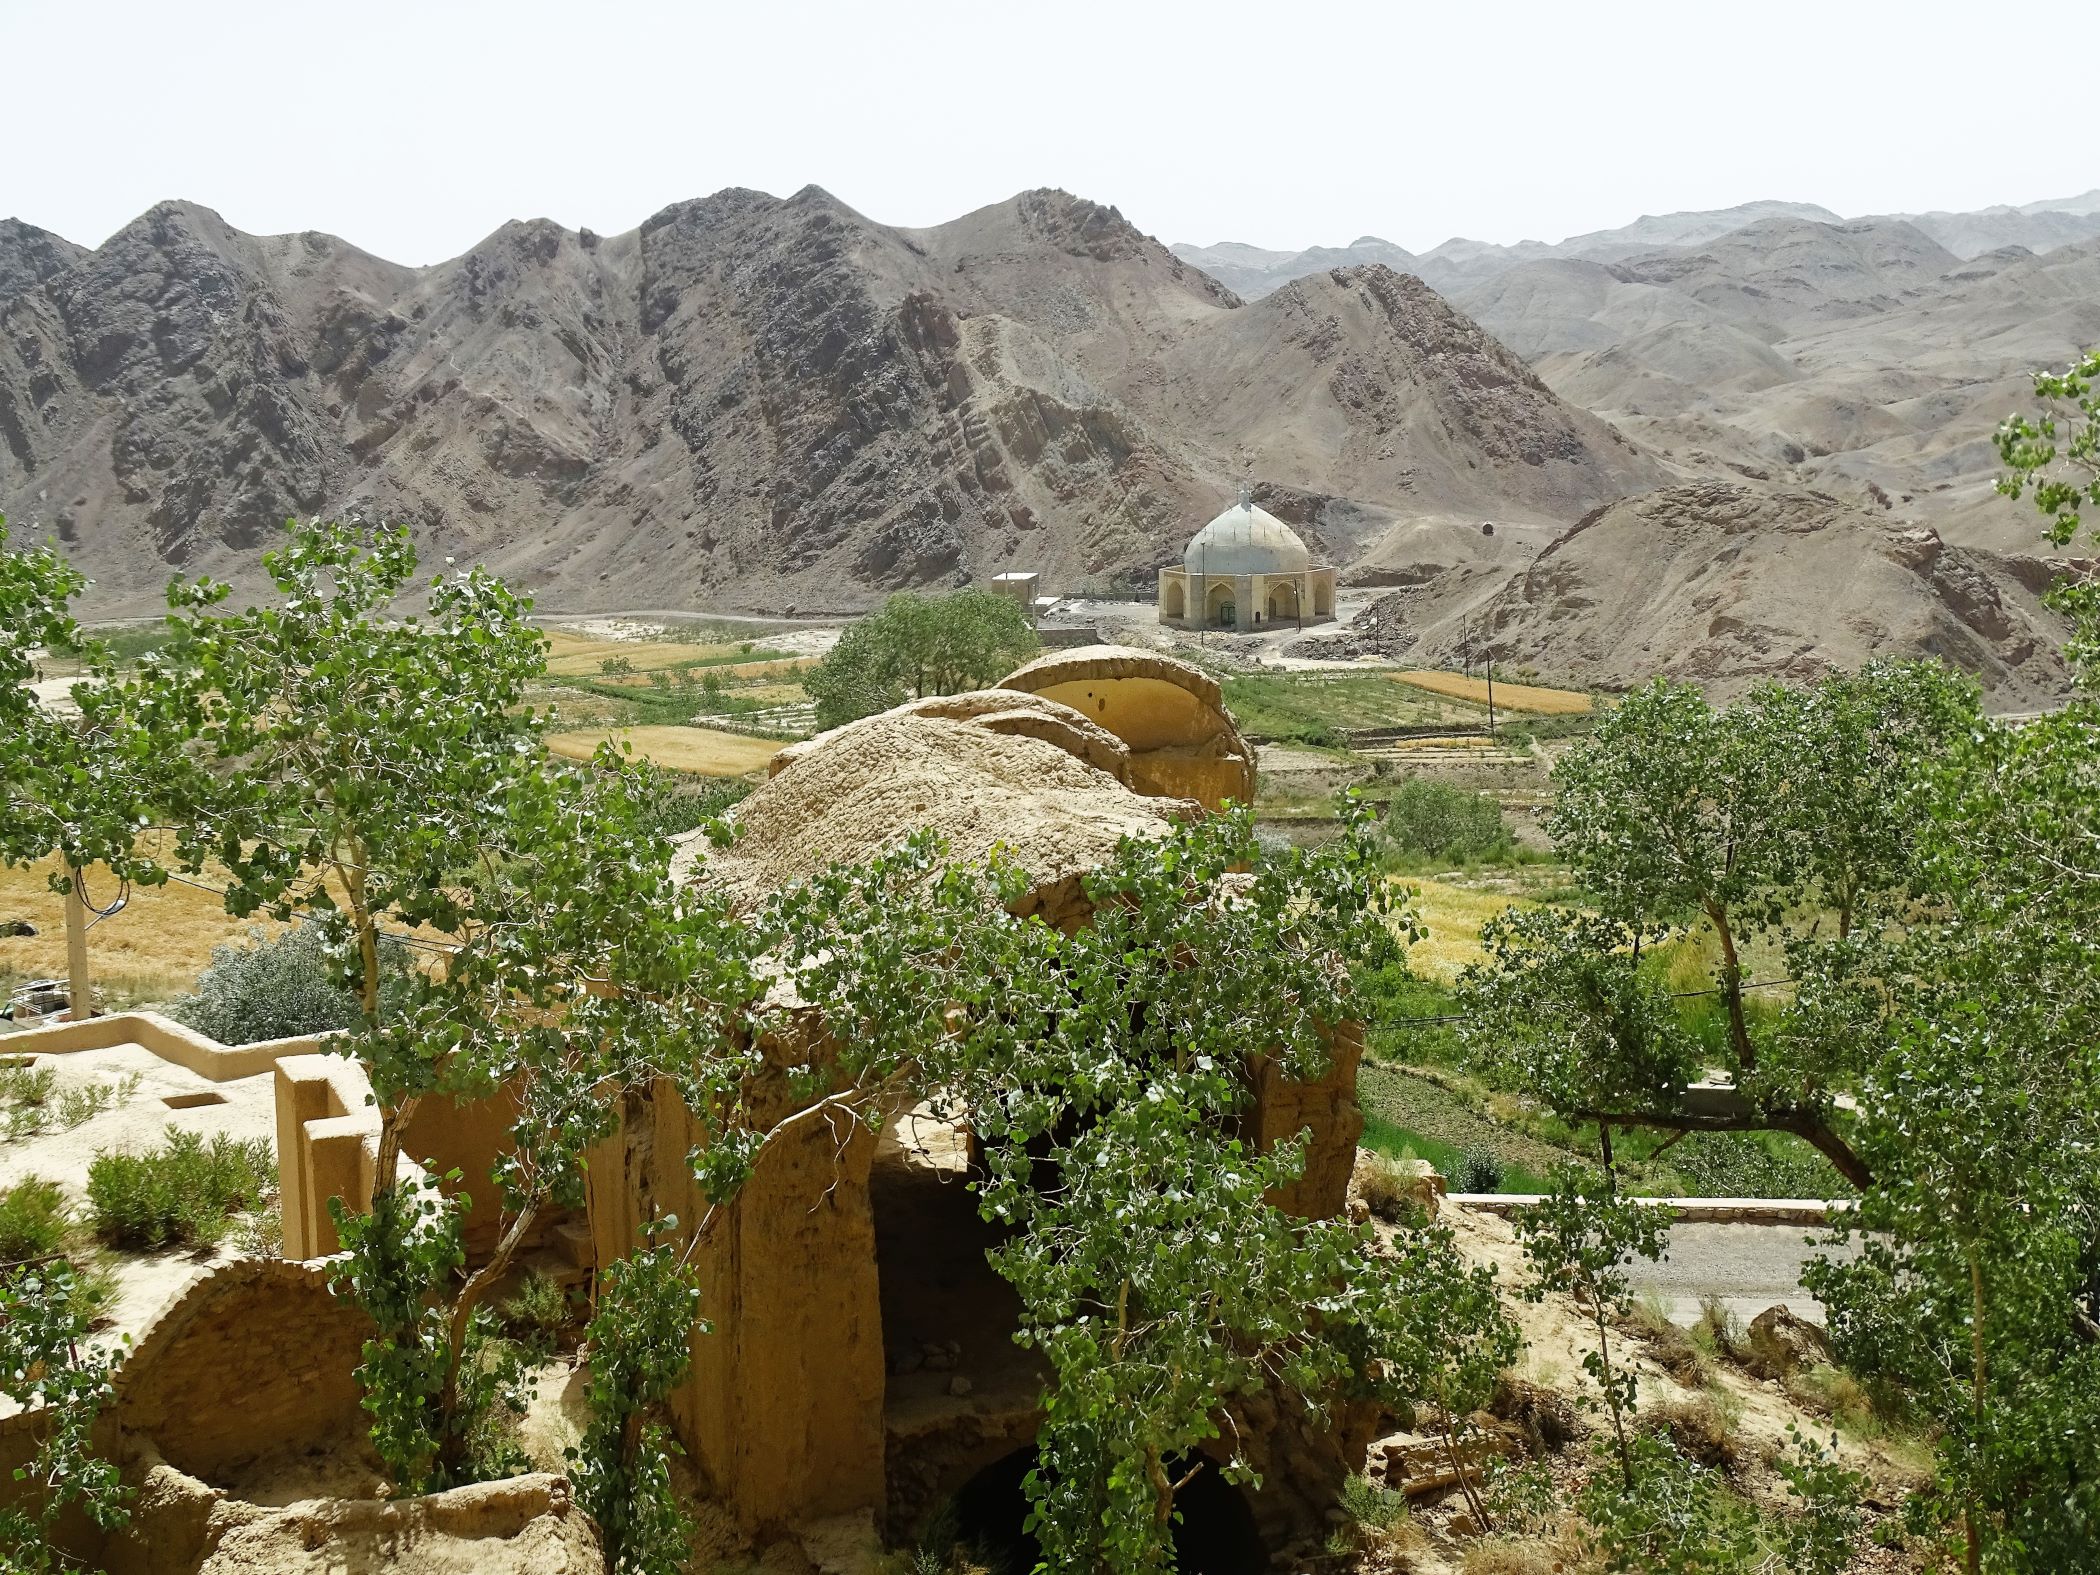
(748, 402)
(766, 404)
(1778, 342)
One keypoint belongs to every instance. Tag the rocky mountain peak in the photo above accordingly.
(29, 256)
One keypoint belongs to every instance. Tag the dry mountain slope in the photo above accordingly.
(749, 401)
(1363, 382)
(1724, 584)
(1870, 358)
(1883, 384)
(29, 256)
(1250, 272)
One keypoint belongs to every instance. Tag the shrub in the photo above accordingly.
(183, 1193)
(1479, 1170)
(32, 1220)
(281, 987)
(640, 1342)
(1835, 1393)
(1753, 1164)
(1523, 1500)
(1375, 1521)
(1544, 1415)
(1675, 1351)
(31, 1100)
(1719, 1332)
(47, 1364)
(672, 804)
(535, 1314)
(1390, 1188)
(1676, 1518)
(1696, 1428)
(1434, 820)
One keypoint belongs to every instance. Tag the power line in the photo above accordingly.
(445, 947)
(1674, 995)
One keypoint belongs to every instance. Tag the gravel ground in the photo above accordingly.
(1750, 1267)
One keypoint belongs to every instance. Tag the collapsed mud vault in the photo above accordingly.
(862, 1359)
(958, 1393)
(1218, 1533)
(859, 1360)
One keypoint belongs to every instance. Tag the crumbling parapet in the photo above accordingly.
(328, 1147)
(1169, 714)
(1325, 1109)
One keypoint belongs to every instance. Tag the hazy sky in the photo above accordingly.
(415, 129)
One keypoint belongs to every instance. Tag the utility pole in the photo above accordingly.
(1489, 652)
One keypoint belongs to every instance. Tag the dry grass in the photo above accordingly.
(1454, 916)
(151, 951)
(1697, 1426)
(700, 750)
(1509, 1556)
(1508, 697)
(1399, 1192)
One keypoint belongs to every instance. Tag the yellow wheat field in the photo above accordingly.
(1454, 917)
(701, 750)
(1508, 697)
(152, 950)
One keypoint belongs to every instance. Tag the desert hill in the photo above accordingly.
(1776, 342)
(749, 401)
(1251, 272)
(1725, 583)
(29, 256)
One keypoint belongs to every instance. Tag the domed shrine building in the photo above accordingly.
(1245, 570)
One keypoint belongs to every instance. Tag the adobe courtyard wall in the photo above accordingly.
(1326, 1109)
(256, 1357)
(328, 1147)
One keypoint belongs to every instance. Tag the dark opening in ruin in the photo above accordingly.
(1215, 1535)
(206, 1096)
(946, 1313)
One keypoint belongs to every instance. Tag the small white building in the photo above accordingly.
(1245, 570)
(1021, 589)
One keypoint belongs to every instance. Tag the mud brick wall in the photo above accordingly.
(253, 1357)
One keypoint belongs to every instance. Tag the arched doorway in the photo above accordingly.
(1323, 596)
(1177, 599)
(1283, 601)
(1220, 609)
(1215, 1534)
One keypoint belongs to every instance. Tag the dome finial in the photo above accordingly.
(1246, 496)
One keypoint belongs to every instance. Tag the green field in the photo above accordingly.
(1318, 708)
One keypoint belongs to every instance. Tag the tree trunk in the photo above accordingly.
(1732, 988)
(470, 1295)
(1807, 1127)
(1611, 1393)
(80, 987)
(1970, 1531)
(1466, 1488)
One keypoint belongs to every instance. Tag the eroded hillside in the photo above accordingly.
(748, 402)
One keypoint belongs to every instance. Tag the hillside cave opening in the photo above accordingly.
(1216, 1534)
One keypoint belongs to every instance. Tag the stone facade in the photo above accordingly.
(1246, 570)
(1248, 603)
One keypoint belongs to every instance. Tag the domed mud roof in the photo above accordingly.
(983, 788)
(1170, 714)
